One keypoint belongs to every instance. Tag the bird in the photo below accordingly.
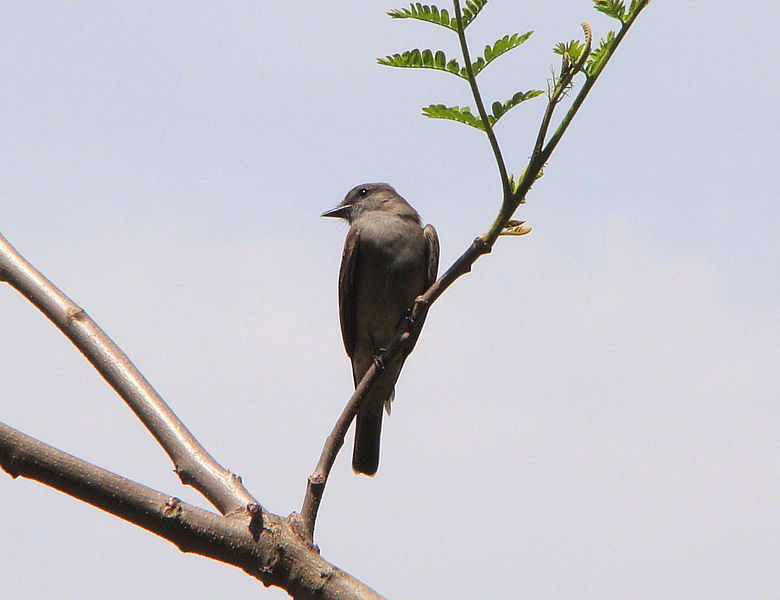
(389, 259)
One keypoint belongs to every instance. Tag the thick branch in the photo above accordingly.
(271, 552)
(194, 465)
(407, 334)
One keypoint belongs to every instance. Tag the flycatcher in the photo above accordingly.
(389, 259)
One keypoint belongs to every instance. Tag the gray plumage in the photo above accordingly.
(389, 259)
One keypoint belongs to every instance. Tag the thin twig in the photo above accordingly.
(315, 485)
(406, 335)
(589, 82)
(276, 556)
(566, 78)
(539, 158)
(194, 465)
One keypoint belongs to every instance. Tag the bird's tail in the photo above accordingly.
(368, 423)
(368, 432)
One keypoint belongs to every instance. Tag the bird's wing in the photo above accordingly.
(348, 290)
(432, 241)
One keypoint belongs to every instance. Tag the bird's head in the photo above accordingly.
(370, 197)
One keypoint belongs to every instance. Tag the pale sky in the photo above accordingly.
(591, 413)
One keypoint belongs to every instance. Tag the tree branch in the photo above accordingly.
(408, 329)
(194, 465)
(274, 550)
(270, 552)
(406, 335)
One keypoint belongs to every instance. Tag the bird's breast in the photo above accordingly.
(391, 272)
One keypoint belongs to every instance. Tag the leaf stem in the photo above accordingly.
(590, 80)
(480, 105)
(540, 158)
(568, 73)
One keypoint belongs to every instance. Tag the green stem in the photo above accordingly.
(589, 81)
(567, 76)
(480, 105)
(538, 160)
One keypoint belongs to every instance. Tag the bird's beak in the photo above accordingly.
(342, 212)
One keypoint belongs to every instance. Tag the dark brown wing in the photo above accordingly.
(347, 290)
(432, 270)
(433, 254)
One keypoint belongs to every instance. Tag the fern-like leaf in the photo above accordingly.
(613, 8)
(425, 12)
(428, 59)
(464, 114)
(471, 11)
(424, 59)
(439, 16)
(500, 109)
(453, 113)
(598, 55)
(502, 46)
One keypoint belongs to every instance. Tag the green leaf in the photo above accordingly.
(573, 48)
(499, 109)
(505, 44)
(453, 113)
(424, 12)
(433, 14)
(514, 182)
(598, 55)
(424, 59)
(635, 7)
(471, 11)
(613, 8)
(464, 114)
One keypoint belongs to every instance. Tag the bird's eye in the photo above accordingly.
(363, 192)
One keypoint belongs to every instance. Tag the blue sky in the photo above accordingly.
(591, 413)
